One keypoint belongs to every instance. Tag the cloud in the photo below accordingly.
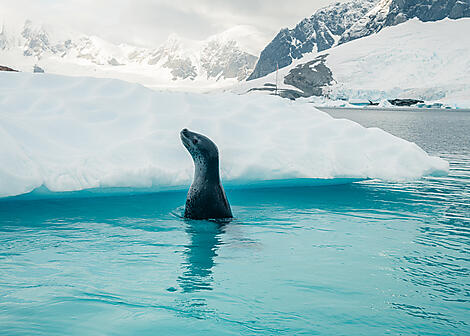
(149, 22)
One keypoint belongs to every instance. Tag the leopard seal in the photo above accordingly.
(206, 197)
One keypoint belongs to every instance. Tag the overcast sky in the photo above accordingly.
(149, 22)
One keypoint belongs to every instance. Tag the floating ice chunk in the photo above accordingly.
(70, 133)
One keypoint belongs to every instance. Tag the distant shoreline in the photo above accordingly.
(378, 108)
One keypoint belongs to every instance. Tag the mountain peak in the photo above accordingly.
(247, 38)
(315, 33)
(392, 12)
(219, 58)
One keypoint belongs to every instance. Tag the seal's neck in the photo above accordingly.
(206, 170)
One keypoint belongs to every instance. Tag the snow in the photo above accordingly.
(93, 56)
(249, 38)
(414, 59)
(61, 133)
(422, 60)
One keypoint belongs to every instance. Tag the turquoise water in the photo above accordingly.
(367, 258)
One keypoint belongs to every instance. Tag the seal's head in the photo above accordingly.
(201, 148)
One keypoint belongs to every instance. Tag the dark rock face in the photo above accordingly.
(404, 102)
(460, 10)
(319, 32)
(431, 10)
(5, 68)
(308, 79)
(311, 77)
(392, 12)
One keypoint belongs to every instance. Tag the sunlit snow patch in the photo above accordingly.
(65, 134)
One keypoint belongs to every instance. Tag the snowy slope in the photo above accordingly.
(412, 60)
(71, 133)
(342, 22)
(177, 63)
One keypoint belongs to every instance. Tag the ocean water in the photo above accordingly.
(367, 258)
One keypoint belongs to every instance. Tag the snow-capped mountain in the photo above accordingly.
(343, 22)
(392, 12)
(412, 60)
(214, 62)
(314, 34)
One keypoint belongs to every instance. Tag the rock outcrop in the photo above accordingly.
(5, 68)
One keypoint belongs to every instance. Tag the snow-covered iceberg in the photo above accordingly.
(70, 133)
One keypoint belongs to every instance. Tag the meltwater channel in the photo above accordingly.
(368, 258)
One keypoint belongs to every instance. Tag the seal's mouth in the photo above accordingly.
(184, 135)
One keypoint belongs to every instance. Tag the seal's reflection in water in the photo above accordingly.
(205, 239)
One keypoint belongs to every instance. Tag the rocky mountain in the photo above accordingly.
(392, 12)
(415, 60)
(343, 22)
(316, 33)
(216, 59)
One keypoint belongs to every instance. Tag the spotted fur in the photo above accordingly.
(206, 197)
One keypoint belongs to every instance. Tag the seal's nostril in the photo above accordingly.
(185, 131)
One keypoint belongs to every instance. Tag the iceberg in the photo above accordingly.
(63, 134)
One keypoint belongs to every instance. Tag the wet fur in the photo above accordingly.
(206, 197)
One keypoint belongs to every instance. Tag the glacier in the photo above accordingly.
(412, 60)
(62, 134)
(342, 22)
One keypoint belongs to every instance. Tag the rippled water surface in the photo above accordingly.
(367, 258)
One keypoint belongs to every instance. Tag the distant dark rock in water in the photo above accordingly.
(404, 102)
(5, 68)
(38, 69)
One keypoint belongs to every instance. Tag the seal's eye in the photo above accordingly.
(195, 141)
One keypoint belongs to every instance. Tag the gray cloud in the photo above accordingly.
(149, 22)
